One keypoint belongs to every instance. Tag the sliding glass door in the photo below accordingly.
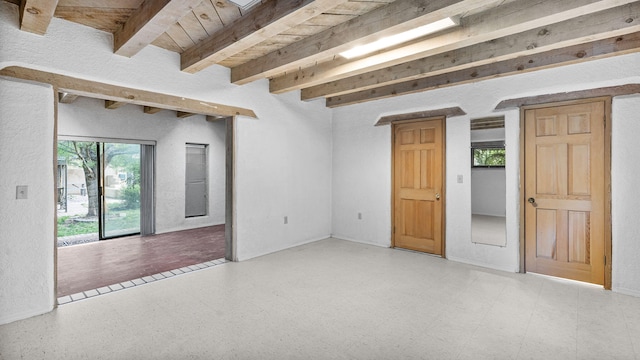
(101, 186)
(120, 197)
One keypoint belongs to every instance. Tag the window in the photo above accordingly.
(488, 154)
(196, 180)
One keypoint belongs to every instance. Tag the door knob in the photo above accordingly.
(531, 200)
(437, 196)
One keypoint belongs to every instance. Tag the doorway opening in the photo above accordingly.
(133, 256)
(488, 181)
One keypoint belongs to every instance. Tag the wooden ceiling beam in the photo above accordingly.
(389, 20)
(35, 15)
(262, 22)
(614, 46)
(148, 22)
(604, 24)
(505, 20)
(99, 90)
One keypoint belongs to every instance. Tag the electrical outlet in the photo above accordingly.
(22, 191)
(359, 216)
(286, 220)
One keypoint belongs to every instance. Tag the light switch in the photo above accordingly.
(22, 191)
(459, 179)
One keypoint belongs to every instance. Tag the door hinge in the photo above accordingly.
(394, 229)
(605, 260)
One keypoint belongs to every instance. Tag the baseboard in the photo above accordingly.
(304, 242)
(625, 291)
(346, 238)
(481, 264)
(23, 315)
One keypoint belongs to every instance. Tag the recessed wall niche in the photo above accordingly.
(488, 181)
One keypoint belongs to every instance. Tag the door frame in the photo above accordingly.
(443, 120)
(607, 179)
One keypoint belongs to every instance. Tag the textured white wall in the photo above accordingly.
(88, 117)
(625, 196)
(286, 162)
(26, 225)
(362, 161)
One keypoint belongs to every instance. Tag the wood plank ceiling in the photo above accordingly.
(296, 43)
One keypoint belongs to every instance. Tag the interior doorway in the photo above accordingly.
(566, 194)
(130, 260)
(418, 185)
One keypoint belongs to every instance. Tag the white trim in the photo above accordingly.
(24, 315)
(286, 247)
(625, 291)
(346, 238)
(482, 264)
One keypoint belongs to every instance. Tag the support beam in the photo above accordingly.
(151, 110)
(505, 20)
(148, 22)
(100, 90)
(264, 21)
(389, 20)
(605, 24)
(570, 55)
(112, 105)
(66, 98)
(35, 15)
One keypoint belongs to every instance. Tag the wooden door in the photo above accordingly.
(418, 186)
(565, 191)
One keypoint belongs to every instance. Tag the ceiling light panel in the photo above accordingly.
(400, 38)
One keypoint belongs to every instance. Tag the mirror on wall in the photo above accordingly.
(488, 181)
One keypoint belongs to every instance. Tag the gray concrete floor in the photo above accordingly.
(335, 299)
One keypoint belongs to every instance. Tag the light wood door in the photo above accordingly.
(418, 178)
(565, 191)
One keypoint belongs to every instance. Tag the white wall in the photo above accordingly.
(362, 162)
(283, 158)
(625, 196)
(26, 225)
(88, 118)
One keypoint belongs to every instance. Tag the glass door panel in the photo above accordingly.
(120, 189)
(78, 197)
